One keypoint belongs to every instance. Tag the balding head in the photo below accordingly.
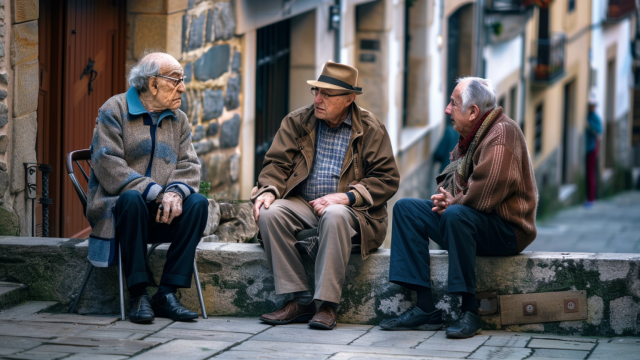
(151, 65)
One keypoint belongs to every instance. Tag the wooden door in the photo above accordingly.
(86, 32)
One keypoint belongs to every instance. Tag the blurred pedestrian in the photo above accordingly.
(593, 130)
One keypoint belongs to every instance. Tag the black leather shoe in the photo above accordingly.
(414, 319)
(141, 311)
(468, 325)
(168, 306)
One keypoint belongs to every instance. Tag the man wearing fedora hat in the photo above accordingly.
(330, 167)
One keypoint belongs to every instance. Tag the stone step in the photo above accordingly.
(236, 281)
(12, 294)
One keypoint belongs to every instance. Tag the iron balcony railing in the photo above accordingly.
(619, 9)
(548, 64)
(509, 6)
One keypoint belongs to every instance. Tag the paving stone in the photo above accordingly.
(232, 96)
(229, 324)
(295, 334)
(358, 356)
(24, 42)
(40, 330)
(37, 355)
(95, 357)
(87, 350)
(560, 344)
(213, 63)
(230, 132)
(213, 103)
(624, 341)
(21, 343)
(185, 350)
(244, 355)
(559, 354)
(101, 345)
(495, 352)
(157, 325)
(516, 340)
(439, 341)
(614, 351)
(196, 32)
(115, 334)
(8, 351)
(318, 348)
(29, 308)
(565, 338)
(209, 335)
(70, 319)
(405, 339)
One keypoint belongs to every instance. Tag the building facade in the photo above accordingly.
(247, 62)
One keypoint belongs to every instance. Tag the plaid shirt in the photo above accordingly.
(331, 147)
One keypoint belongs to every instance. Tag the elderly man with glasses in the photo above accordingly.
(330, 167)
(142, 187)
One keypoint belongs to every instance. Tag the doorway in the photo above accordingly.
(459, 46)
(272, 86)
(82, 64)
(567, 138)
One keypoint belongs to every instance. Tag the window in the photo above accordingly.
(538, 139)
(501, 102)
(571, 5)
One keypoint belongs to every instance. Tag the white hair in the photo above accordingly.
(143, 70)
(478, 92)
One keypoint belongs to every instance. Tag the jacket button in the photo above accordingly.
(296, 174)
(380, 221)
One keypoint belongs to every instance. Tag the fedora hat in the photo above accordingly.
(338, 77)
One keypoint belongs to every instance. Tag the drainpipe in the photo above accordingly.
(335, 23)
(523, 80)
(479, 43)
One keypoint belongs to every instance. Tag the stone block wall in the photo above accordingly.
(19, 88)
(201, 35)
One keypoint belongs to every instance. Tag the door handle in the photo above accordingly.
(91, 72)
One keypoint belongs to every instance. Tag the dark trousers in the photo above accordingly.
(592, 157)
(136, 227)
(460, 230)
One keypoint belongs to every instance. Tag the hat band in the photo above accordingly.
(334, 81)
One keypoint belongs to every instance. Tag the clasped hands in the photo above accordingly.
(170, 207)
(441, 201)
(319, 204)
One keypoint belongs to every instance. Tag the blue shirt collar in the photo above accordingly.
(136, 108)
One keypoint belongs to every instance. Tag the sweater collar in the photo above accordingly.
(136, 108)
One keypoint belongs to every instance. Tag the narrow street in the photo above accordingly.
(611, 226)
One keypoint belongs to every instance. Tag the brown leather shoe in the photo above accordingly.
(325, 318)
(290, 312)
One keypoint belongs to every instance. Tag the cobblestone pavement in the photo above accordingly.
(611, 225)
(27, 333)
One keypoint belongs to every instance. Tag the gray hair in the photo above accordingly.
(143, 70)
(478, 92)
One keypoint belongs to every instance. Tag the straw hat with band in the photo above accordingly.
(338, 77)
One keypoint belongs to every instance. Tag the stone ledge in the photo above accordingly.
(237, 282)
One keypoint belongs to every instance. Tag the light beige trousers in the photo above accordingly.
(278, 226)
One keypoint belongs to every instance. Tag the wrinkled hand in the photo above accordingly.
(441, 201)
(267, 198)
(171, 208)
(320, 204)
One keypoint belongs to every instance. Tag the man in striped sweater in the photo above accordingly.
(486, 205)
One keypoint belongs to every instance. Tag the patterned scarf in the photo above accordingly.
(455, 176)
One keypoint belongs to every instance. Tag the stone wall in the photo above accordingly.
(236, 281)
(201, 35)
(18, 104)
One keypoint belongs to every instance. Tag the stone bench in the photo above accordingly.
(236, 281)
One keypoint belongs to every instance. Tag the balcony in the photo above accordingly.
(508, 6)
(548, 65)
(619, 9)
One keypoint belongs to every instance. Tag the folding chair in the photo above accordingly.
(85, 155)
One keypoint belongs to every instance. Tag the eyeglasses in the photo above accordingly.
(176, 82)
(324, 95)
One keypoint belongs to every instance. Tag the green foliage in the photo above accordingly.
(204, 188)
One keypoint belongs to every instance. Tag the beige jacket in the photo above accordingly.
(369, 167)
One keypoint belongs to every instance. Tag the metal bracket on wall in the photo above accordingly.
(543, 307)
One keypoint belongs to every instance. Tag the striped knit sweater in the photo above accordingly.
(502, 178)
